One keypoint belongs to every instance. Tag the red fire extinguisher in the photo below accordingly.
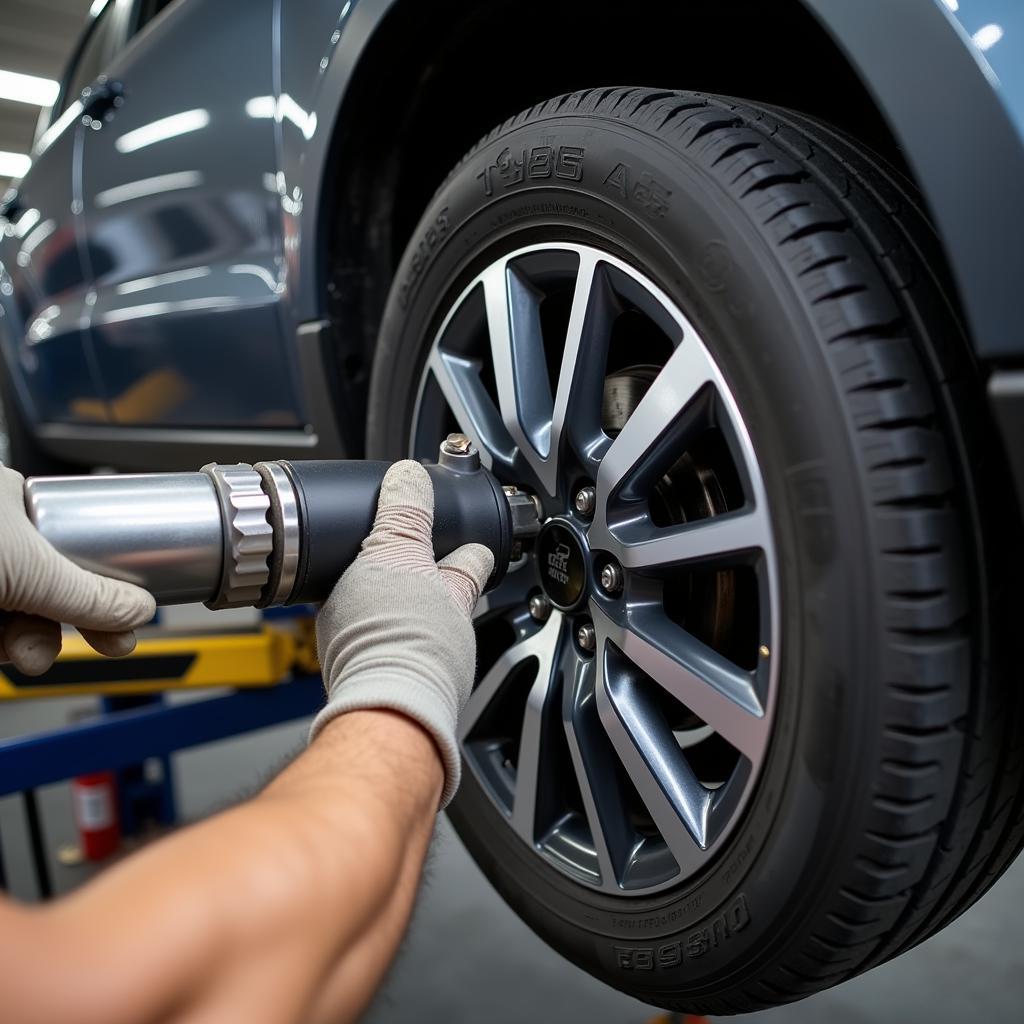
(94, 798)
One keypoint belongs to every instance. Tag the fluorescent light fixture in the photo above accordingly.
(291, 111)
(166, 128)
(143, 284)
(40, 92)
(987, 36)
(260, 106)
(284, 109)
(26, 222)
(40, 234)
(42, 326)
(54, 131)
(256, 271)
(148, 187)
(116, 316)
(13, 165)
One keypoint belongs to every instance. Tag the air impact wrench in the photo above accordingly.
(273, 533)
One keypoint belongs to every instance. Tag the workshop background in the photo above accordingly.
(468, 957)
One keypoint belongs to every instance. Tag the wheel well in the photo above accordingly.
(435, 78)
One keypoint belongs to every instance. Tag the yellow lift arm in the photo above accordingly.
(261, 657)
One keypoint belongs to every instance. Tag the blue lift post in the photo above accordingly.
(139, 799)
(128, 736)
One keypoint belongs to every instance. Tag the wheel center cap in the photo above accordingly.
(563, 563)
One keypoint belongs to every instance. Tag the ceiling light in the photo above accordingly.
(165, 128)
(41, 92)
(987, 36)
(13, 165)
(148, 187)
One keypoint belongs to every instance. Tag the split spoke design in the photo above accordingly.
(540, 646)
(592, 761)
(577, 410)
(622, 758)
(684, 376)
(537, 422)
(642, 546)
(712, 687)
(679, 805)
(534, 736)
(520, 369)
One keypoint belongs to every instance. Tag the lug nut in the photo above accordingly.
(586, 637)
(584, 500)
(611, 578)
(540, 607)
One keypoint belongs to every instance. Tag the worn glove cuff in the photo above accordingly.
(409, 697)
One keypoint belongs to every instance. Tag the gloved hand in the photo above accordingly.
(40, 588)
(396, 631)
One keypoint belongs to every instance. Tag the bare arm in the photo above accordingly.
(287, 908)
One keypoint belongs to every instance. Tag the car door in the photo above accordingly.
(44, 276)
(182, 221)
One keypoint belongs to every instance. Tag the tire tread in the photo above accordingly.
(945, 821)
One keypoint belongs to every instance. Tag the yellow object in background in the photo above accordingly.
(149, 399)
(261, 657)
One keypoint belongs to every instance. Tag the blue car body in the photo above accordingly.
(177, 265)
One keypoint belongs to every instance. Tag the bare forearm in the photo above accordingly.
(289, 904)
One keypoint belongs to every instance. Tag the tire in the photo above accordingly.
(889, 795)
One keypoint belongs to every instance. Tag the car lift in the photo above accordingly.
(271, 673)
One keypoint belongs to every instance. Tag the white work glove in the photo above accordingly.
(396, 632)
(40, 588)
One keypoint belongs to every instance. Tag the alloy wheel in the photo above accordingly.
(629, 662)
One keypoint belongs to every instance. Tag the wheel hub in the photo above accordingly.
(562, 564)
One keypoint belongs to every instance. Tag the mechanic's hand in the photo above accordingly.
(40, 588)
(396, 631)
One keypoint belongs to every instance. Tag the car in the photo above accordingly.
(746, 721)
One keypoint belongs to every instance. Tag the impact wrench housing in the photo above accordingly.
(273, 533)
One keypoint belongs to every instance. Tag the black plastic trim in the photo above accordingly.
(89, 671)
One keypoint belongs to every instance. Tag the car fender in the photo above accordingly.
(955, 108)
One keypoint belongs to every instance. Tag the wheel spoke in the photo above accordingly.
(687, 372)
(713, 688)
(533, 737)
(474, 412)
(577, 408)
(679, 805)
(540, 645)
(639, 545)
(520, 367)
(595, 773)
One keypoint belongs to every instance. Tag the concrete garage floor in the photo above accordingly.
(468, 959)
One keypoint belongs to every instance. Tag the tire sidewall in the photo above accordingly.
(638, 199)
